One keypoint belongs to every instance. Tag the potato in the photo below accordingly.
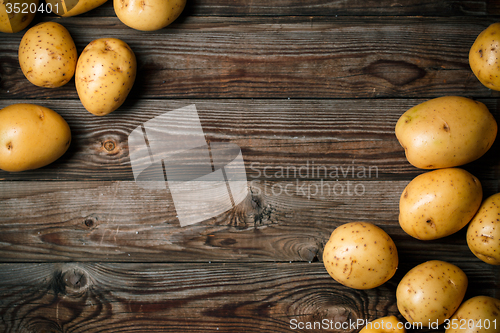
(105, 74)
(389, 324)
(480, 314)
(483, 57)
(10, 21)
(31, 137)
(47, 55)
(148, 15)
(446, 132)
(483, 233)
(431, 292)
(439, 203)
(360, 255)
(68, 8)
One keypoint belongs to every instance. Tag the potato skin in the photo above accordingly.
(431, 292)
(483, 233)
(360, 255)
(31, 137)
(148, 15)
(47, 55)
(446, 132)
(439, 203)
(387, 324)
(105, 74)
(482, 310)
(74, 7)
(15, 22)
(483, 57)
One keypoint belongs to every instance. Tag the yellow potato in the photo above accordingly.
(47, 55)
(483, 234)
(105, 74)
(68, 8)
(480, 314)
(439, 203)
(483, 57)
(360, 255)
(431, 292)
(15, 15)
(31, 137)
(446, 132)
(389, 324)
(148, 15)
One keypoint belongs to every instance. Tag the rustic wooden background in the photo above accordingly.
(292, 82)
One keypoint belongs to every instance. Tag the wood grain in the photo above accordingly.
(280, 57)
(279, 221)
(338, 8)
(294, 84)
(333, 8)
(206, 297)
(273, 135)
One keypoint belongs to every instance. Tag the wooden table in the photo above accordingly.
(295, 84)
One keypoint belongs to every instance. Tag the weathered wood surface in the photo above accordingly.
(280, 57)
(279, 221)
(333, 8)
(202, 297)
(84, 249)
(272, 134)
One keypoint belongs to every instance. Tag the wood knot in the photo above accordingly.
(90, 221)
(109, 145)
(72, 282)
(262, 212)
(397, 73)
(8, 67)
(44, 325)
(309, 253)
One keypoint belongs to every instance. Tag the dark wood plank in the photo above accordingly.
(278, 221)
(280, 57)
(82, 248)
(203, 297)
(273, 135)
(342, 8)
(333, 8)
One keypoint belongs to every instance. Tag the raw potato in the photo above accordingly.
(105, 74)
(148, 15)
(483, 57)
(480, 314)
(360, 255)
(389, 324)
(431, 292)
(31, 137)
(446, 132)
(14, 22)
(439, 203)
(68, 8)
(47, 55)
(483, 234)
